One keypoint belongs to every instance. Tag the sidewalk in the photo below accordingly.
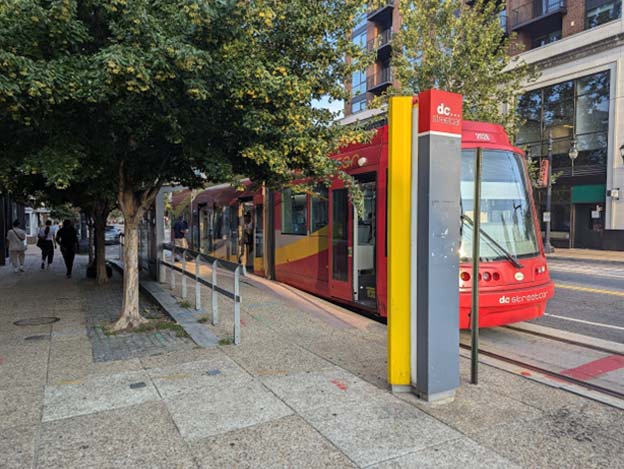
(593, 255)
(306, 388)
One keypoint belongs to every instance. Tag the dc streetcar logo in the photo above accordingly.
(529, 298)
(444, 115)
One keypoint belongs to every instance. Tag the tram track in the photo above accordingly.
(557, 376)
(558, 338)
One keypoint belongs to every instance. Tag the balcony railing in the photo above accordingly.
(535, 9)
(382, 40)
(378, 80)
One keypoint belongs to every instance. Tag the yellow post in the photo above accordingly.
(399, 195)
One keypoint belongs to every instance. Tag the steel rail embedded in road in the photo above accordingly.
(553, 374)
(545, 335)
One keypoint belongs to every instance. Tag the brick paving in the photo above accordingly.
(103, 305)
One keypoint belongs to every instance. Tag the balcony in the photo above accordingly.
(381, 44)
(379, 81)
(537, 11)
(383, 13)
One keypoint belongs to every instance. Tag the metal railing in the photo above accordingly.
(535, 9)
(197, 258)
(381, 40)
(378, 79)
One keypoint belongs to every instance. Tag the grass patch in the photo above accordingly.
(203, 319)
(151, 326)
(226, 341)
(186, 304)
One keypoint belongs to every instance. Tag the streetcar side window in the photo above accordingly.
(294, 213)
(319, 208)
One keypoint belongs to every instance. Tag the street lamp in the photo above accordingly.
(547, 246)
(573, 153)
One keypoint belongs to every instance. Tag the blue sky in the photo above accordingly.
(334, 106)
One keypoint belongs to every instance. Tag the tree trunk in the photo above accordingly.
(100, 247)
(133, 207)
(130, 316)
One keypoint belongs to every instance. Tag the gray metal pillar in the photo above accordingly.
(437, 243)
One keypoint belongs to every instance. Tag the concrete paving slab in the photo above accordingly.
(115, 367)
(462, 453)
(70, 359)
(179, 357)
(137, 436)
(200, 376)
(563, 438)
(97, 394)
(306, 391)
(20, 406)
(204, 414)
(376, 430)
(69, 331)
(275, 358)
(17, 446)
(603, 418)
(23, 365)
(475, 409)
(286, 442)
(345, 349)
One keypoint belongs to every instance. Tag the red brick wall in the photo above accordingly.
(574, 20)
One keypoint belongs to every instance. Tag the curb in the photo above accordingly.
(584, 259)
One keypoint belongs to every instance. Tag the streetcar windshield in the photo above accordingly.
(507, 228)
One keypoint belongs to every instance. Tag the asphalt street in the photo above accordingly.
(589, 299)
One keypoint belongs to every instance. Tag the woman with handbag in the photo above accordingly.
(45, 242)
(17, 246)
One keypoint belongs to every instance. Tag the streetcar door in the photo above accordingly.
(340, 245)
(364, 278)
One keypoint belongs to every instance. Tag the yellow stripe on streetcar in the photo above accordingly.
(590, 290)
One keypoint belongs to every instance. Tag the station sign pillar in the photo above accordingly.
(435, 353)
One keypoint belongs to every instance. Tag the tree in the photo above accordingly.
(462, 48)
(172, 91)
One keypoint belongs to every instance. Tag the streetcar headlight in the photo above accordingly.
(486, 276)
(464, 276)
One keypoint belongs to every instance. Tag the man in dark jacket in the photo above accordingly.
(67, 238)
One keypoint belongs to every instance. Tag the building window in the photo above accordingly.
(601, 11)
(358, 83)
(358, 106)
(294, 213)
(320, 208)
(572, 109)
(545, 39)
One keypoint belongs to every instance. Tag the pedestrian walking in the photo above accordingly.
(46, 242)
(17, 246)
(67, 239)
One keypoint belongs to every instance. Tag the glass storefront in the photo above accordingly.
(572, 110)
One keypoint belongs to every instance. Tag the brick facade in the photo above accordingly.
(574, 19)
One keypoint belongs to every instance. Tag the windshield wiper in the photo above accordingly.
(509, 256)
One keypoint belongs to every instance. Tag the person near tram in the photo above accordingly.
(180, 227)
(67, 239)
(247, 239)
(17, 246)
(46, 243)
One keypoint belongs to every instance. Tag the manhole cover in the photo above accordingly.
(36, 337)
(36, 321)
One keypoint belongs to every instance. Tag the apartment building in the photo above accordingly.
(577, 46)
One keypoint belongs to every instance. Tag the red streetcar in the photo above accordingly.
(321, 245)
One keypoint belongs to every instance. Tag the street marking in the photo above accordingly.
(596, 368)
(590, 290)
(586, 322)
